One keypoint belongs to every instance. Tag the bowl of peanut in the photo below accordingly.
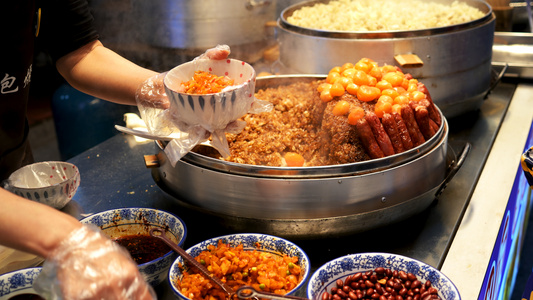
(379, 276)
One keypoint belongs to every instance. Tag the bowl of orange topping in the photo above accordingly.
(265, 262)
(210, 93)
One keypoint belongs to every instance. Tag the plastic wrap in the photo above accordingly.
(193, 118)
(88, 265)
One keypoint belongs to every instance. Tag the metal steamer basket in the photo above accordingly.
(453, 61)
(311, 202)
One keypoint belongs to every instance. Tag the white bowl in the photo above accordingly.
(327, 275)
(120, 222)
(211, 111)
(52, 182)
(18, 283)
(267, 243)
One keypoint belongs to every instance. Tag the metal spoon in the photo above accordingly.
(150, 136)
(142, 134)
(160, 234)
(248, 292)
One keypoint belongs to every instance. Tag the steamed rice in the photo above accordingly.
(372, 15)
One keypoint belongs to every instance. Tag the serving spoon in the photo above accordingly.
(248, 292)
(160, 234)
(143, 134)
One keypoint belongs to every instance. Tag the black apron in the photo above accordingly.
(19, 21)
(61, 26)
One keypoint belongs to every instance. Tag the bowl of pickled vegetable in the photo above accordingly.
(130, 228)
(210, 93)
(378, 275)
(265, 262)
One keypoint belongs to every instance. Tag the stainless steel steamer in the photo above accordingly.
(309, 202)
(456, 60)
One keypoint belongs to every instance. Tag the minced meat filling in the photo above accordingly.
(299, 122)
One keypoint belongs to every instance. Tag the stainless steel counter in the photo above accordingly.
(113, 174)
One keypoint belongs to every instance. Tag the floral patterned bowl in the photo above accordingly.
(121, 222)
(51, 182)
(18, 283)
(204, 115)
(325, 278)
(267, 243)
(212, 111)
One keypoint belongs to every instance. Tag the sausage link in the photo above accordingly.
(434, 113)
(402, 131)
(392, 131)
(434, 125)
(422, 118)
(408, 117)
(381, 136)
(367, 138)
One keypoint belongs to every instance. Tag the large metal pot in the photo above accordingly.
(456, 60)
(313, 201)
(189, 24)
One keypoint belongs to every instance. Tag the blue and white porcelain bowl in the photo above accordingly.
(120, 222)
(325, 277)
(18, 283)
(267, 243)
(53, 183)
(211, 111)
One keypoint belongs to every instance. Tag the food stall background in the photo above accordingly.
(122, 32)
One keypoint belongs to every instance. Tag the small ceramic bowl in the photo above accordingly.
(117, 223)
(211, 111)
(52, 183)
(250, 241)
(325, 278)
(19, 283)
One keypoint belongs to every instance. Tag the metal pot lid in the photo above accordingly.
(287, 12)
(350, 169)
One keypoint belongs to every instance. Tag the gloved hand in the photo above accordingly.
(88, 265)
(152, 93)
(152, 100)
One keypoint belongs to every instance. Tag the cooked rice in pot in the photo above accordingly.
(372, 15)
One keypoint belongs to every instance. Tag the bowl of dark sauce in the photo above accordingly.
(130, 228)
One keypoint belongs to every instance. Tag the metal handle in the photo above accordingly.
(455, 166)
(160, 234)
(248, 292)
(409, 60)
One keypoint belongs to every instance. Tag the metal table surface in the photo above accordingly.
(114, 174)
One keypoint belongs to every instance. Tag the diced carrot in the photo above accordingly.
(352, 88)
(341, 108)
(368, 93)
(325, 95)
(294, 159)
(355, 114)
(337, 89)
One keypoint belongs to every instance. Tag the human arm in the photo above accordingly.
(79, 261)
(100, 72)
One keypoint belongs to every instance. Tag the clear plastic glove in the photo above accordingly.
(153, 105)
(152, 99)
(88, 265)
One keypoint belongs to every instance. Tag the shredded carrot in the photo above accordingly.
(206, 83)
(264, 271)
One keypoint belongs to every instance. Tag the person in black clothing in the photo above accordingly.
(65, 29)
